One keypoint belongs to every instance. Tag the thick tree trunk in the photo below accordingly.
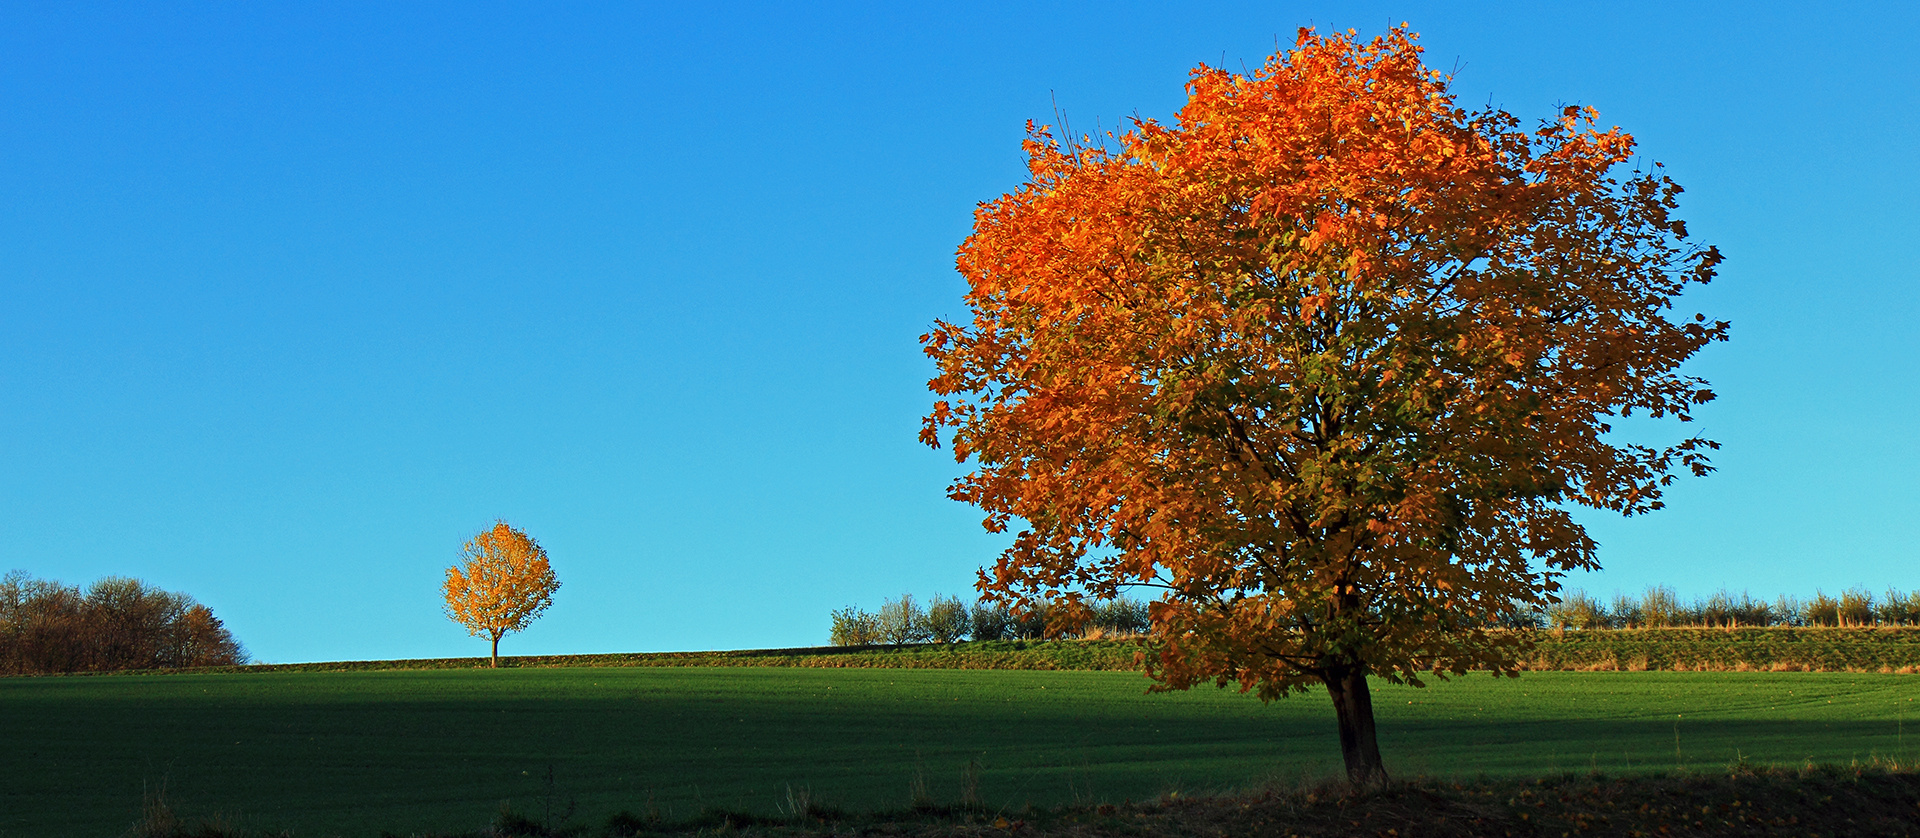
(1353, 708)
(495, 663)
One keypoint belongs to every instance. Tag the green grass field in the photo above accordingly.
(327, 753)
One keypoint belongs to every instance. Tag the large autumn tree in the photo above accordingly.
(500, 585)
(1329, 360)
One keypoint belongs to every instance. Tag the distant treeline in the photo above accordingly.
(47, 627)
(1659, 607)
(948, 620)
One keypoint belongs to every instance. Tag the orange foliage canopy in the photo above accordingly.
(500, 585)
(1326, 360)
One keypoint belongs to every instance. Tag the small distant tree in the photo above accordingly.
(1576, 610)
(1030, 623)
(947, 619)
(1626, 613)
(991, 620)
(854, 627)
(1899, 609)
(502, 583)
(1121, 616)
(1856, 607)
(903, 621)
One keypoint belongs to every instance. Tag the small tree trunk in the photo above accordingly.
(1353, 708)
(495, 663)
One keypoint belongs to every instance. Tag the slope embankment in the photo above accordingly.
(1778, 649)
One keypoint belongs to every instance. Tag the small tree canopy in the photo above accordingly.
(501, 584)
(1327, 360)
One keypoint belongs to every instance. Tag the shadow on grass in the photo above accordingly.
(354, 753)
(1881, 799)
(1460, 749)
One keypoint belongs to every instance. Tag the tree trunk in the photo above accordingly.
(1353, 708)
(495, 663)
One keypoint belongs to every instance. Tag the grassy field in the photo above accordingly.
(360, 752)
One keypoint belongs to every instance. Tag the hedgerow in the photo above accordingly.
(1659, 607)
(945, 619)
(903, 621)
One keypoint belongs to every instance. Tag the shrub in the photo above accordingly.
(1748, 611)
(1659, 607)
(1899, 609)
(1790, 611)
(1626, 613)
(1822, 610)
(1063, 622)
(947, 619)
(854, 627)
(991, 621)
(1521, 617)
(1576, 610)
(1716, 611)
(1120, 616)
(903, 621)
(1031, 622)
(1856, 607)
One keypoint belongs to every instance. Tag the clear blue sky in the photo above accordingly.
(294, 297)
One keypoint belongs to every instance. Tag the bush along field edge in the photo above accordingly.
(945, 619)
